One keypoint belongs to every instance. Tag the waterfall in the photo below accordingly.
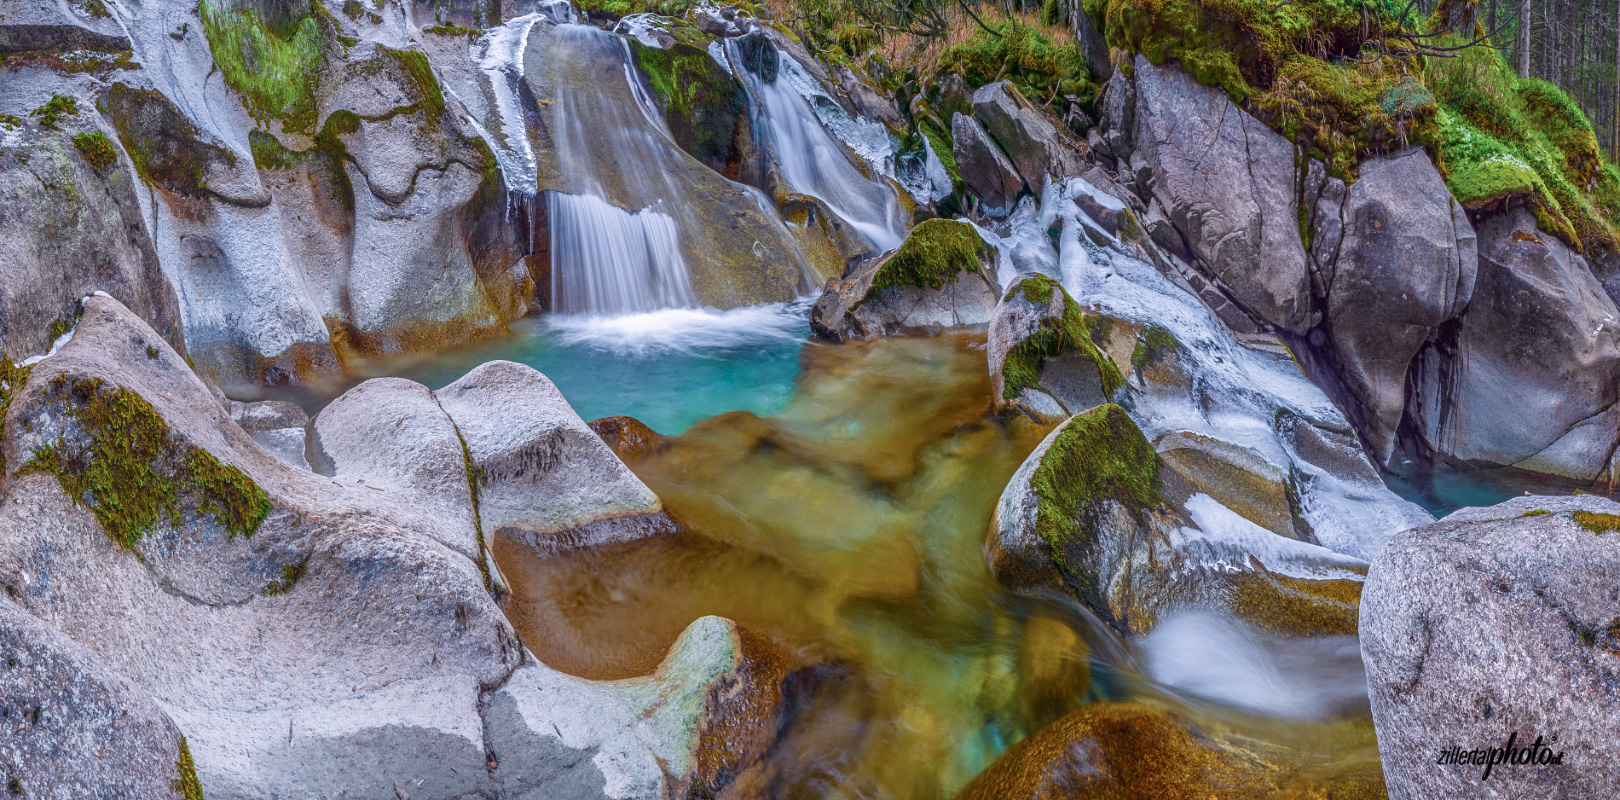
(809, 159)
(607, 260)
(634, 217)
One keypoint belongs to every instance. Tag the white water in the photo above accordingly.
(810, 161)
(607, 260)
(1238, 394)
(499, 53)
(1223, 660)
(685, 331)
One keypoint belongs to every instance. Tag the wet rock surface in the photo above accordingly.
(1497, 623)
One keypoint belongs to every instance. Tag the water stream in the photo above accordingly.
(809, 159)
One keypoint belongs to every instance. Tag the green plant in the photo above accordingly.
(1597, 522)
(1052, 337)
(54, 109)
(275, 76)
(290, 573)
(97, 150)
(187, 784)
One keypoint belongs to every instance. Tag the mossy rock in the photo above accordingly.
(705, 107)
(274, 64)
(936, 252)
(166, 148)
(119, 461)
(1040, 344)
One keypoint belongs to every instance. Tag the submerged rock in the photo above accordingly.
(277, 425)
(627, 436)
(1107, 750)
(1498, 627)
(940, 278)
(1042, 359)
(1086, 514)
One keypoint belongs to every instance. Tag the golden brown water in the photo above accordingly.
(849, 532)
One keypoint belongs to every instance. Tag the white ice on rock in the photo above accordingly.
(499, 54)
(1238, 394)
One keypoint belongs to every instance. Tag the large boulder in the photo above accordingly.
(1406, 264)
(542, 475)
(1036, 147)
(77, 729)
(983, 167)
(1528, 375)
(1042, 359)
(941, 277)
(70, 227)
(1498, 628)
(1228, 183)
(300, 630)
(1086, 514)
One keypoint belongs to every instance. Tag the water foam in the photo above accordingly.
(683, 331)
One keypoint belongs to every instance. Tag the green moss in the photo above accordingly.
(453, 30)
(702, 102)
(151, 352)
(187, 785)
(275, 76)
(1597, 523)
(162, 144)
(92, 8)
(475, 479)
(415, 64)
(10, 121)
(97, 150)
(1022, 368)
(126, 469)
(1296, 606)
(12, 379)
(1154, 342)
(1098, 455)
(933, 255)
(290, 573)
(624, 8)
(1540, 512)
(54, 109)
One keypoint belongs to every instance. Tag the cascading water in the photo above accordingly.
(809, 159)
(500, 58)
(633, 216)
(608, 260)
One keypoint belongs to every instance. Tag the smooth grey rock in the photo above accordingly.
(75, 728)
(554, 735)
(391, 437)
(67, 231)
(1407, 263)
(277, 425)
(364, 672)
(1116, 115)
(1536, 355)
(544, 475)
(1490, 623)
(1229, 185)
(984, 168)
(870, 102)
(1036, 147)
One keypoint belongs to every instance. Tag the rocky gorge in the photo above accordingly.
(647, 400)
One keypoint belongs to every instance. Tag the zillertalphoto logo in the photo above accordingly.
(1537, 753)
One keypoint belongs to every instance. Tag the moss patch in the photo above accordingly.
(1055, 335)
(275, 75)
(123, 465)
(1022, 55)
(187, 785)
(476, 479)
(163, 145)
(933, 255)
(54, 109)
(97, 150)
(1540, 512)
(290, 573)
(12, 379)
(703, 104)
(1098, 455)
(1153, 343)
(1595, 522)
